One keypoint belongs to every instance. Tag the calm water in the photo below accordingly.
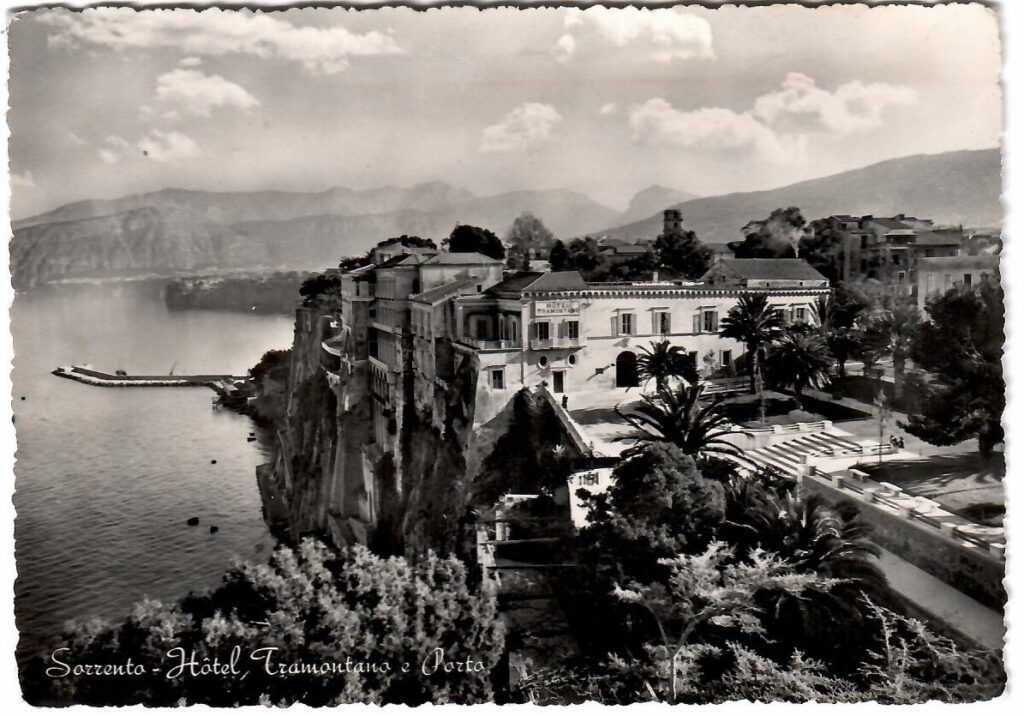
(106, 478)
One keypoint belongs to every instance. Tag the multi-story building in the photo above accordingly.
(888, 248)
(935, 276)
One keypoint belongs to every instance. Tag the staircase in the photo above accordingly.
(788, 456)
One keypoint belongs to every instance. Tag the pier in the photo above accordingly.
(232, 389)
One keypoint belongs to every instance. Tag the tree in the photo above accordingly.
(412, 242)
(312, 606)
(558, 258)
(891, 331)
(663, 361)
(822, 246)
(839, 319)
(467, 239)
(799, 360)
(527, 234)
(677, 416)
(776, 237)
(961, 345)
(681, 252)
(319, 285)
(755, 324)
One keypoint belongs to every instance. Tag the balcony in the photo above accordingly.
(544, 344)
(500, 345)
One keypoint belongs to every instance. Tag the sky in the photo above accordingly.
(112, 102)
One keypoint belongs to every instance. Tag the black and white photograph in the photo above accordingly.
(508, 355)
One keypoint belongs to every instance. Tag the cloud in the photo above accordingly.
(23, 180)
(197, 93)
(156, 145)
(608, 110)
(779, 124)
(167, 146)
(217, 32)
(566, 47)
(74, 140)
(191, 61)
(671, 35)
(525, 127)
(713, 128)
(803, 106)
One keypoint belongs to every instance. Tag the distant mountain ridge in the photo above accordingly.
(952, 188)
(174, 230)
(652, 200)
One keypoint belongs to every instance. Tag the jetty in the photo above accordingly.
(231, 389)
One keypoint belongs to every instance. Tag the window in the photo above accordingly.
(498, 378)
(801, 315)
(542, 330)
(662, 323)
(726, 359)
(967, 280)
(572, 330)
(543, 361)
(895, 259)
(572, 359)
(711, 321)
(901, 276)
(626, 324)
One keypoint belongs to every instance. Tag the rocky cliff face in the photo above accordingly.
(419, 488)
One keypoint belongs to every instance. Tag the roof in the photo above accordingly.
(401, 260)
(982, 261)
(515, 283)
(558, 281)
(458, 259)
(771, 269)
(444, 290)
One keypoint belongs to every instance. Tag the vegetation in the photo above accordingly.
(682, 254)
(800, 360)
(891, 332)
(776, 237)
(526, 235)
(702, 592)
(677, 415)
(754, 323)
(309, 606)
(961, 346)
(468, 239)
(319, 286)
(663, 361)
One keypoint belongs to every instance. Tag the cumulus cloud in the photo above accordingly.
(525, 127)
(671, 35)
(566, 47)
(23, 180)
(197, 93)
(217, 32)
(778, 125)
(609, 109)
(191, 61)
(74, 140)
(167, 146)
(156, 145)
(803, 106)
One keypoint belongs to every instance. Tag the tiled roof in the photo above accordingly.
(444, 290)
(954, 262)
(558, 281)
(515, 283)
(777, 269)
(458, 259)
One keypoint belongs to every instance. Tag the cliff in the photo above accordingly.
(276, 292)
(420, 485)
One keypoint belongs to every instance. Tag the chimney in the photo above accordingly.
(673, 221)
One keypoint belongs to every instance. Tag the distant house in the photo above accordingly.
(888, 248)
(764, 273)
(937, 275)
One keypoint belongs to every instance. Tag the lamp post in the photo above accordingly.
(883, 415)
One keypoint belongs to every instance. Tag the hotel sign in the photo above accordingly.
(556, 308)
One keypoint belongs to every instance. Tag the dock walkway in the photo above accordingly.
(100, 378)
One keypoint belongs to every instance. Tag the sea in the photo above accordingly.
(106, 479)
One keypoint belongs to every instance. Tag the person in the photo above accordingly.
(899, 443)
(565, 402)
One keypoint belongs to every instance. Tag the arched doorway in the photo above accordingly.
(625, 370)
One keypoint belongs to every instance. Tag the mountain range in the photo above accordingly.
(176, 231)
(950, 188)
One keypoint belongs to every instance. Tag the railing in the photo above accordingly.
(725, 385)
(878, 494)
(500, 345)
(541, 344)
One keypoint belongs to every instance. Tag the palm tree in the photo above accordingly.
(677, 415)
(663, 361)
(755, 324)
(838, 319)
(894, 329)
(799, 360)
